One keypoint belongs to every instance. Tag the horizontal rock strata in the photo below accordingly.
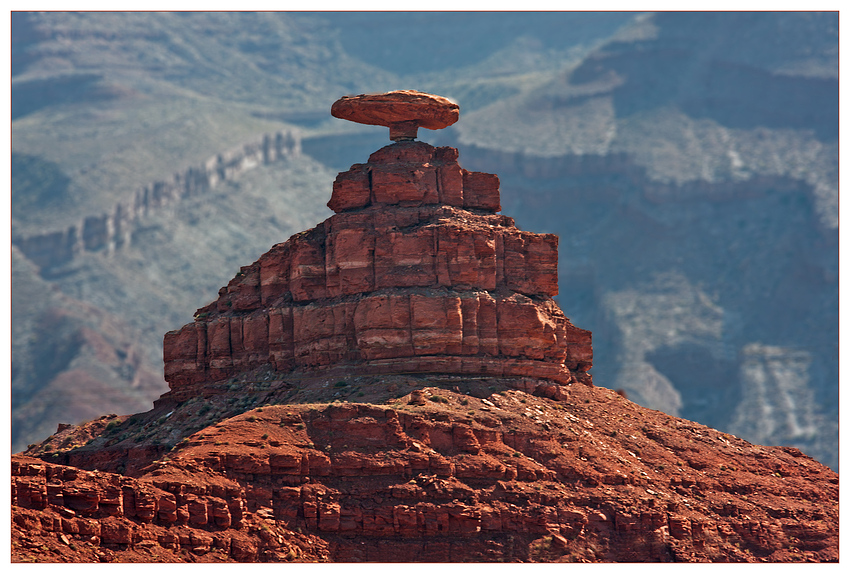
(416, 272)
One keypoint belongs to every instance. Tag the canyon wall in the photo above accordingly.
(112, 230)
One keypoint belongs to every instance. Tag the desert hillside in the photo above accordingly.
(430, 475)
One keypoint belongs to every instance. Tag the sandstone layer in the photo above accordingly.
(415, 273)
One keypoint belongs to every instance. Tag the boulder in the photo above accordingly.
(403, 111)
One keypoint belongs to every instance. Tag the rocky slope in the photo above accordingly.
(434, 474)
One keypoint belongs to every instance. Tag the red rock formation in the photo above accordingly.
(415, 273)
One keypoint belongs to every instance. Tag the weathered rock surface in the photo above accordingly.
(415, 273)
(66, 514)
(437, 476)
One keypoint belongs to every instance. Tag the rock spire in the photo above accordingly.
(415, 273)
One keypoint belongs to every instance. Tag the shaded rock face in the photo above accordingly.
(416, 272)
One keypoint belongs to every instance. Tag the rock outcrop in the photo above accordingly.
(415, 273)
(99, 517)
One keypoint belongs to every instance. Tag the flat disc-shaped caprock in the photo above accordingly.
(403, 111)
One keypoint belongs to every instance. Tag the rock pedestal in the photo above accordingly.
(415, 273)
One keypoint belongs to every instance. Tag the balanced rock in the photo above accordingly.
(415, 273)
(403, 111)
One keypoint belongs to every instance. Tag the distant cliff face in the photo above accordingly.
(114, 229)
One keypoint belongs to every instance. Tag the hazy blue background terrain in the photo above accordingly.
(688, 162)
